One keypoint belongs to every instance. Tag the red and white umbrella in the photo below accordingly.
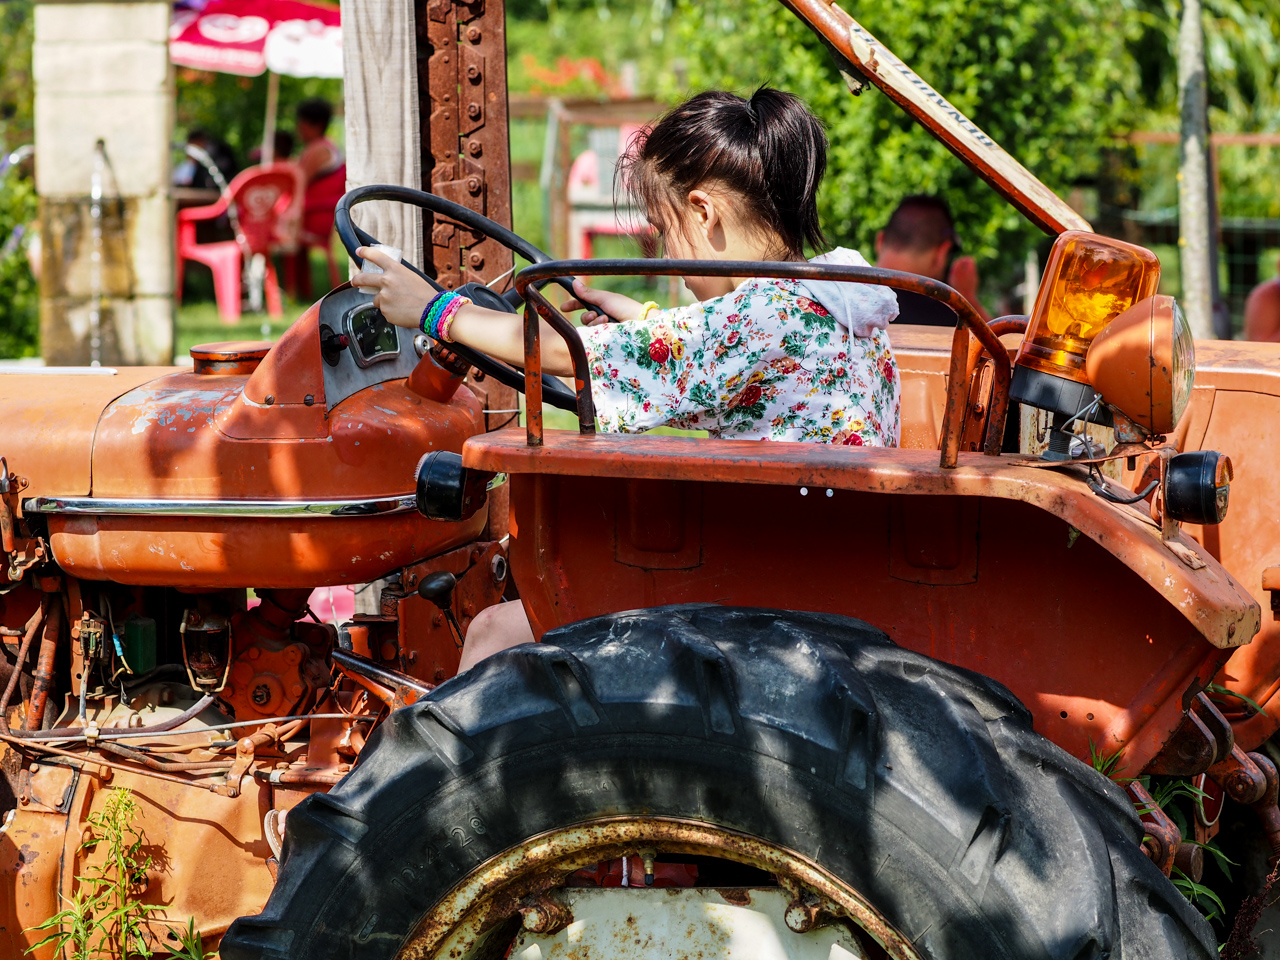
(248, 37)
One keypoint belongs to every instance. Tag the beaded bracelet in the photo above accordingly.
(438, 316)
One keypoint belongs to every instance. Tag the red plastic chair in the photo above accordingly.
(318, 205)
(262, 196)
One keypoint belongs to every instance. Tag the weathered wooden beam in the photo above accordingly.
(380, 83)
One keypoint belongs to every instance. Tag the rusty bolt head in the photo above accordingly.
(270, 399)
(194, 619)
(474, 184)
(802, 914)
(293, 654)
(297, 690)
(255, 653)
(473, 111)
(413, 656)
(308, 400)
(473, 72)
(476, 259)
(475, 148)
(474, 34)
(261, 695)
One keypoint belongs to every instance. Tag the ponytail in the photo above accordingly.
(770, 150)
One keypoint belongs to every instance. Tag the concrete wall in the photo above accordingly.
(102, 72)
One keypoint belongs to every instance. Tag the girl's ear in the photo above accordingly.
(702, 210)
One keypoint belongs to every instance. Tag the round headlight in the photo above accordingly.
(1144, 363)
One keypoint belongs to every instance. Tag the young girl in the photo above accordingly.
(719, 178)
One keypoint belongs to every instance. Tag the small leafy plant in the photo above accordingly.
(104, 919)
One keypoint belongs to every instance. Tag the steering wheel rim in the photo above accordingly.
(352, 236)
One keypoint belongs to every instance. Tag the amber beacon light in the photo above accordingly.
(1088, 281)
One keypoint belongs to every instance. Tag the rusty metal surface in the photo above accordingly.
(1220, 608)
(208, 850)
(1015, 590)
(1163, 840)
(162, 440)
(46, 431)
(460, 920)
(1235, 402)
(699, 923)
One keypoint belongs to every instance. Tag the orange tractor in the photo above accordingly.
(790, 701)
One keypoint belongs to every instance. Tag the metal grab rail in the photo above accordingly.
(957, 387)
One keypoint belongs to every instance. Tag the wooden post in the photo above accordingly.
(1195, 222)
(102, 74)
(380, 81)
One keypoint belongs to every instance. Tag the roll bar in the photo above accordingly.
(969, 321)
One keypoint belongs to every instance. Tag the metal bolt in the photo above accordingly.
(270, 399)
(261, 695)
(541, 914)
(474, 184)
(297, 690)
(255, 653)
(477, 259)
(473, 72)
(475, 148)
(802, 913)
(413, 656)
(473, 34)
(498, 568)
(308, 400)
(473, 111)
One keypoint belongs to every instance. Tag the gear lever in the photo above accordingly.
(438, 588)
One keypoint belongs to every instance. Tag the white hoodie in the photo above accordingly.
(863, 308)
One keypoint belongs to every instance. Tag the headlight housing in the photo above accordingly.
(1144, 364)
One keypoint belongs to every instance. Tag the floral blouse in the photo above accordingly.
(764, 362)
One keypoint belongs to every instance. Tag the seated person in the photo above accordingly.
(719, 178)
(920, 238)
(1262, 312)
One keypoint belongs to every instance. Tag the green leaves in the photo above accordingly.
(104, 919)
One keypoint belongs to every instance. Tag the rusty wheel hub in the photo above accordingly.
(520, 896)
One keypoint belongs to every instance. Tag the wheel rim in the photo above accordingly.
(459, 926)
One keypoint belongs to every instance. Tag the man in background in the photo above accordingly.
(920, 238)
(1262, 312)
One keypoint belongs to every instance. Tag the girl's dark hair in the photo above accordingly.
(769, 150)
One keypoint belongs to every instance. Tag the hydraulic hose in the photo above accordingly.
(44, 667)
(29, 634)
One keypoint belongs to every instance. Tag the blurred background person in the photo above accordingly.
(1262, 311)
(193, 173)
(920, 238)
(324, 171)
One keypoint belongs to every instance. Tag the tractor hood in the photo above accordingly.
(50, 418)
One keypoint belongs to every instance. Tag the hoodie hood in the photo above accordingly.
(863, 308)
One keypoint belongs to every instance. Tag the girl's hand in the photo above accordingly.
(402, 294)
(601, 305)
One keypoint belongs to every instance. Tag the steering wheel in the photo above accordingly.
(554, 391)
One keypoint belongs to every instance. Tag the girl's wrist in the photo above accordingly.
(439, 313)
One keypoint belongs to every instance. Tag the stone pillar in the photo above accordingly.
(102, 73)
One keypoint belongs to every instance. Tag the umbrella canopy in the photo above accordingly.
(248, 37)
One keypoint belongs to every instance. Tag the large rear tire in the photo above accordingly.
(918, 785)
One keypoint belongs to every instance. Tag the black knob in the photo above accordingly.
(438, 588)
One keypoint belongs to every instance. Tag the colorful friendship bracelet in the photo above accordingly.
(438, 316)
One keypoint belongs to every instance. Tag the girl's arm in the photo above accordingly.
(403, 295)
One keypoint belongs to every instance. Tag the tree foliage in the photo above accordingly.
(1046, 80)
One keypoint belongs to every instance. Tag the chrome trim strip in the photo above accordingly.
(103, 506)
